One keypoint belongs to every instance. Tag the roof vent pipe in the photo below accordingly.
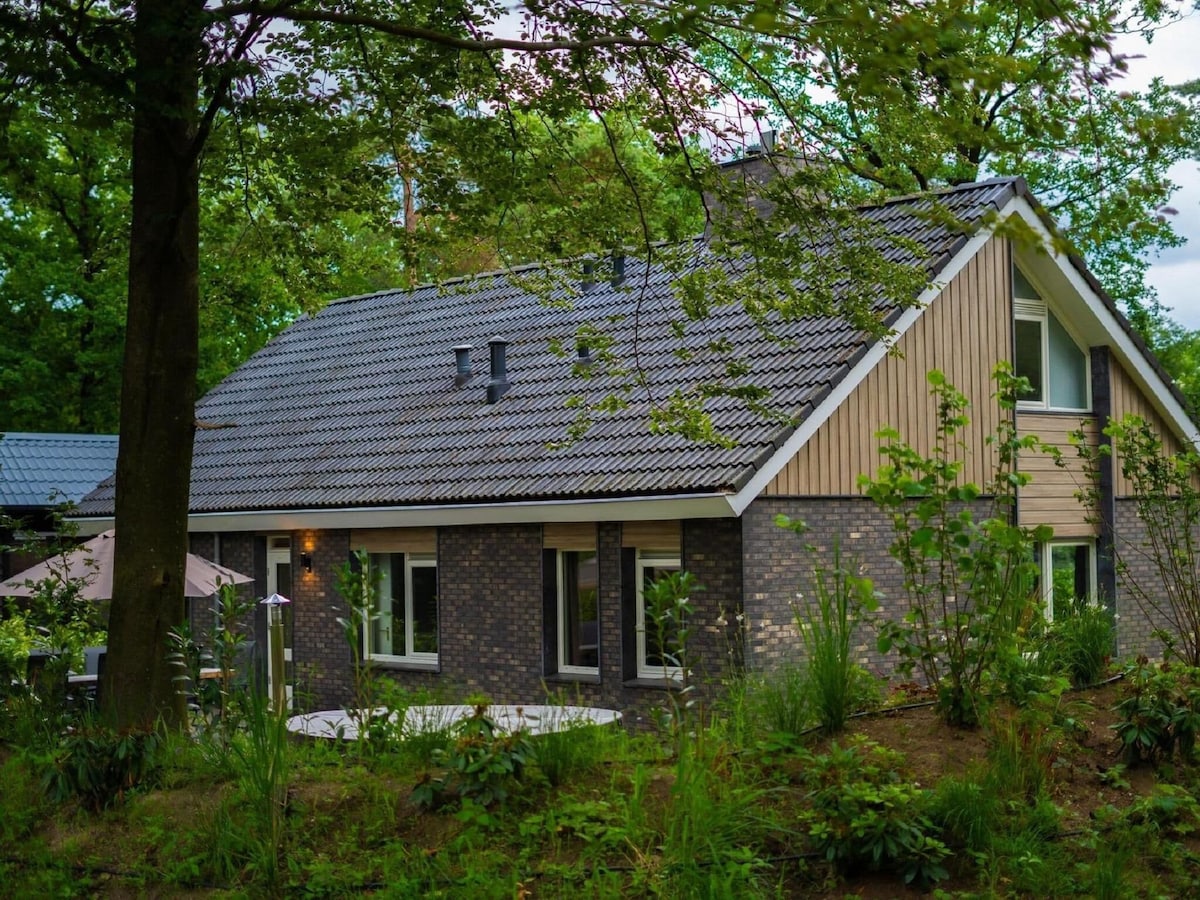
(499, 384)
(589, 276)
(618, 269)
(462, 364)
(584, 351)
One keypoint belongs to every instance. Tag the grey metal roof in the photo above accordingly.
(47, 469)
(357, 406)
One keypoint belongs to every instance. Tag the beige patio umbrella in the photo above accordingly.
(92, 564)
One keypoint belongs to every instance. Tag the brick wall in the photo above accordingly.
(321, 655)
(490, 607)
(778, 567)
(712, 553)
(1134, 626)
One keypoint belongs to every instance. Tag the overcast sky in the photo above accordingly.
(1174, 55)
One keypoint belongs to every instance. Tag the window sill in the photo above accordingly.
(403, 665)
(571, 678)
(657, 684)
(1053, 410)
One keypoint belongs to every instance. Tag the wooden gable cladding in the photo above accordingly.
(652, 535)
(964, 332)
(1128, 399)
(1050, 498)
(569, 535)
(394, 540)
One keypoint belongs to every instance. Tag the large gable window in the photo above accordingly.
(1046, 354)
(404, 628)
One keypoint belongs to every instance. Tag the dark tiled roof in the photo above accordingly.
(48, 469)
(357, 405)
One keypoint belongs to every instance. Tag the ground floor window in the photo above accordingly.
(404, 627)
(578, 612)
(659, 654)
(1068, 576)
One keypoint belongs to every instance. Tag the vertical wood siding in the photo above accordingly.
(1128, 399)
(965, 331)
(1050, 498)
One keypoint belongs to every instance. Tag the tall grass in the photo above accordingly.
(827, 619)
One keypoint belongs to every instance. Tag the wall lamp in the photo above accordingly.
(306, 562)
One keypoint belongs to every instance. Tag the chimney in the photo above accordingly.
(589, 276)
(499, 384)
(618, 269)
(462, 364)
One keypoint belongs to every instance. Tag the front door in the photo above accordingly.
(279, 581)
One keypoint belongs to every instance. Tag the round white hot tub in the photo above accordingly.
(534, 719)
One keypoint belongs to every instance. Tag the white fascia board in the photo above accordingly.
(619, 509)
(875, 353)
(1129, 353)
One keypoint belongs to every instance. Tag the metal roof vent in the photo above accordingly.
(462, 364)
(584, 352)
(499, 384)
(589, 276)
(618, 269)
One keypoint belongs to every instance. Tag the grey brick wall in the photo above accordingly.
(1135, 625)
(778, 567)
(490, 603)
(322, 657)
(712, 553)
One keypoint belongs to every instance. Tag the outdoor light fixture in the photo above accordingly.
(306, 562)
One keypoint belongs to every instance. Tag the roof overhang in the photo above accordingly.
(619, 509)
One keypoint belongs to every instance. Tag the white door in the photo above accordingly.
(279, 581)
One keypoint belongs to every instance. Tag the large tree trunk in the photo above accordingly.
(158, 389)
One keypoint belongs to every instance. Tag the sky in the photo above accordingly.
(1175, 274)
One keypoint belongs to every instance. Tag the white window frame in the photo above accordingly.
(650, 559)
(1045, 565)
(565, 668)
(411, 561)
(1035, 309)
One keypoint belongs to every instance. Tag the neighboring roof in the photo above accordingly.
(47, 469)
(357, 406)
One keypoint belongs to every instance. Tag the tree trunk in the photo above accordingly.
(158, 390)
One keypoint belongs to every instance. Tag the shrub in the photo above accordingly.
(98, 765)
(863, 812)
(1080, 641)
(1160, 711)
(969, 580)
(480, 766)
(1168, 507)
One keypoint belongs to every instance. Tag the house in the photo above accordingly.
(39, 473)
(510, 563)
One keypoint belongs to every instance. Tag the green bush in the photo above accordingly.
(1160, 711)
(1079, 642)
(969, 579)
(480, 766)
(99, 765)
(863, 812)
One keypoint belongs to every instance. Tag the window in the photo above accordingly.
(1068, 576)
(1046, 354)
(658, 650)
(578, 612)
(405, 628)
